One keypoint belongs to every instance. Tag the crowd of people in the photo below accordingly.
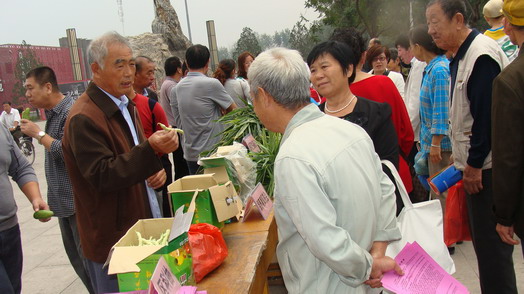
(445, 94)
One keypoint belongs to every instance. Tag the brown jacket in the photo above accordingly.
(107, 171)
(508, 145)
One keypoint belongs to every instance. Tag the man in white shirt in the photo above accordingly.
(10, 118)
(413, 83)
(174, 73)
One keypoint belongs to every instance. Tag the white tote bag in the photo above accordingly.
(420, 222)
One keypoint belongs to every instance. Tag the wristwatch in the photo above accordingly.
(41, 134)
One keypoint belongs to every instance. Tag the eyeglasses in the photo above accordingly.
(380, 58)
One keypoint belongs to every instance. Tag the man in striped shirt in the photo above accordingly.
(42, 92)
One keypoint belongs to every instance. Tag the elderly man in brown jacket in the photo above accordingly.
(507, 132)
(113, 168)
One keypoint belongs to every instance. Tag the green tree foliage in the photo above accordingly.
(281, 39)
(383, 18)
(224, 53)
(247, 42)
(265, 41)
(476, 18)
(304, 36)
(27, 60)
(278, 39)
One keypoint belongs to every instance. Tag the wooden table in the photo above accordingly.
(251, 247)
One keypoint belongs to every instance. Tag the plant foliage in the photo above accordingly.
(242, 122)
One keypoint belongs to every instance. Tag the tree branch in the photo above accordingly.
(362, 19)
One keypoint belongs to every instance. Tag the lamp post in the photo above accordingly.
(411, 23)
(188, 24)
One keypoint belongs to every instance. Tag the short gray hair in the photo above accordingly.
(97, 50)
(283, 74)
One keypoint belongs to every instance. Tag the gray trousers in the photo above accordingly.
(71, 240)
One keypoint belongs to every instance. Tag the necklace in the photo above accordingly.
(338, 110)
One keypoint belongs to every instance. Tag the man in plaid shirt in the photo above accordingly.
(42, 92)
(434, 117)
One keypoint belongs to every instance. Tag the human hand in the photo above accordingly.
(157, 180)
(29, 128)
(506, 234)
(435, 155)
(164, 141)
(472, 179)
(40, 204)
(380, 266)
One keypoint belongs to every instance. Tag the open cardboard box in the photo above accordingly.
(216, 162)
(134, 265)
(216, 199)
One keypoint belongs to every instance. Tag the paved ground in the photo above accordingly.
(47, 269)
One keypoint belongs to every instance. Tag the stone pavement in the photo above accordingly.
(47, 269)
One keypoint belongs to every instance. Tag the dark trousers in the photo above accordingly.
(73, 249)
(193, 167)
(494, 257)
(11, 261)
(101, 281)
(168, 167)
(179, 162)
(17, 134)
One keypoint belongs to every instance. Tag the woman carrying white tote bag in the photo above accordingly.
(420, 222)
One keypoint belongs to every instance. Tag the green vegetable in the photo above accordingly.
(163, 240)
(241, 122)
(166, 128)
(26, 114)
(43, 214)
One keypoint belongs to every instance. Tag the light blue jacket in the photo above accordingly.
(332, 201)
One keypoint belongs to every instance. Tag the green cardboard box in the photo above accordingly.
(134, 265)
(214, 202)
(221, 162)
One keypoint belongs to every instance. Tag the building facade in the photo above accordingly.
(58, 58)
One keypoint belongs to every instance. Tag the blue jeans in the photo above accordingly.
(11, 261)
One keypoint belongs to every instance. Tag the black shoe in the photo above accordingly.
(459, 242)
(451, 250)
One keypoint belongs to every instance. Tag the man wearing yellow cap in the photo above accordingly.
(493, 15)
(508, 137)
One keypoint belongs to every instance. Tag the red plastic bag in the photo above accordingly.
(207, 247)
(456, 216)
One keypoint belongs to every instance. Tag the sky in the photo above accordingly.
(44, 22)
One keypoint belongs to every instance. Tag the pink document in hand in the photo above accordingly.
(422, 274)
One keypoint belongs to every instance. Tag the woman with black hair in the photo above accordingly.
(380, 89)
(332, 70)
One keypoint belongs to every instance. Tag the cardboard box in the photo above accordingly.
(134, 265)
(214, 195)
(219, 163)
